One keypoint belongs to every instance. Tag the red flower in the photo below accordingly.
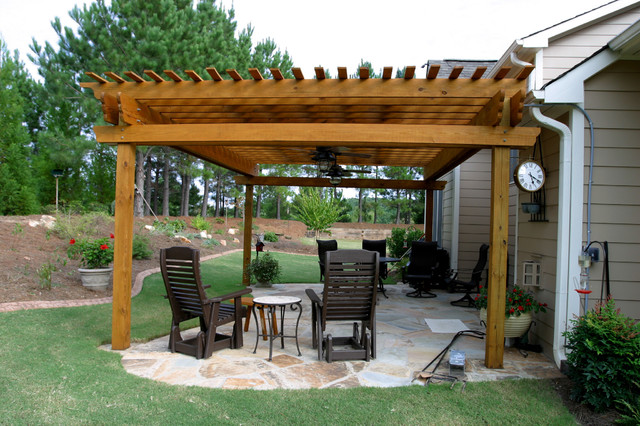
(521, 308)
(511, 310)
(104, 247)
(477, 297)
(510, 300)
(72, 241)
(479, 286)
(515, 290)
(112, 236)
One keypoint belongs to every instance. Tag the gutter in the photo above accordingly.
(562, 311)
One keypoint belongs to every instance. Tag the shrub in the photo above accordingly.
(69, 226)
(604, 362)
(401, 238)
(210, 243)
(200, 223)
(270, 237)
(169, 227)
(46, 270)
(264, 269)
(141, 247)
(219, 220)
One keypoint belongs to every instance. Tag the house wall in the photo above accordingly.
(475, 207)
(566, 52)
(537, 241)
(612, 99)
(448, 199)
(474, 213)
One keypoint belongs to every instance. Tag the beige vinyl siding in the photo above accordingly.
(537, 241)
(475, 207)
(566, 52)
(612, 99)
(448, 198)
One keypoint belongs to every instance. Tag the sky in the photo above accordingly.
(334, 33)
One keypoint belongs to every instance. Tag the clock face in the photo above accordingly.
(529, 176)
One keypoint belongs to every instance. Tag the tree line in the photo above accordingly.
(46, 124)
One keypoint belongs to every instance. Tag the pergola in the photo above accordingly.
(433, 123)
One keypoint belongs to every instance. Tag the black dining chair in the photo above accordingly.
(381, 247)
(420, 271)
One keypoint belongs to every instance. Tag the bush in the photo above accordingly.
(89, 225)
(141, 247)
(604, 362)
(219, 220)
(264, 269)
(169, 227)
(200, 223)
(210, 243)
(401, 238)
(270, 237)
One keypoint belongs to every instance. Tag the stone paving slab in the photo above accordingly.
(405, 346)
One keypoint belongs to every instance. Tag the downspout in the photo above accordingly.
(564, 230)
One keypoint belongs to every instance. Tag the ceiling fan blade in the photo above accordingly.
(357, 171)
(354, 154)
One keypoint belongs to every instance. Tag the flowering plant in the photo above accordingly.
(517, 302)
(93, 254)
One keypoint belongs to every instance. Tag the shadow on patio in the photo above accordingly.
(406, 344)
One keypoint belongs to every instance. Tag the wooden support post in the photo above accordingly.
(428, 215)
(248, 223)
(499, 230)
(121, 312)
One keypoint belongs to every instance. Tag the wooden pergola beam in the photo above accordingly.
(330, 88)
(313, 134)
(346, 183)
(445, 161)
(223, 157)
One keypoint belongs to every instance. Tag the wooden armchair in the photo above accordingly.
(350, 288)
(180, 268)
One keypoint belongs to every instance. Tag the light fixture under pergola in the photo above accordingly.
(434, 123)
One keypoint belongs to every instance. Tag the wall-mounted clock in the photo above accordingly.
(529, 176)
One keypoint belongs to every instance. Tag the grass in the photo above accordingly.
(53, 372)
(342, 244)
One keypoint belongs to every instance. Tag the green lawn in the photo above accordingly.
(52, 372)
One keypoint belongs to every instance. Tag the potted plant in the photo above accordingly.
(519, 308)
(264, 270)
(95, 256)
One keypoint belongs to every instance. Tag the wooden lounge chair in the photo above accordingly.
(350, 288)
(180, 268)
(323, 247)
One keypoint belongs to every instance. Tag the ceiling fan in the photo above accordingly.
(336, 173)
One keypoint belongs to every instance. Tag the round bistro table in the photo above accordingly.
(272, 304)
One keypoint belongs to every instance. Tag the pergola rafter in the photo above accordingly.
(432, 123)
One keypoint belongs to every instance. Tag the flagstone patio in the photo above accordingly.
(406, 344)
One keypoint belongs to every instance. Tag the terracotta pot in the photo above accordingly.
(514, 326)
(96, 279)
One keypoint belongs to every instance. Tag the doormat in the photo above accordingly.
(451, 326)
